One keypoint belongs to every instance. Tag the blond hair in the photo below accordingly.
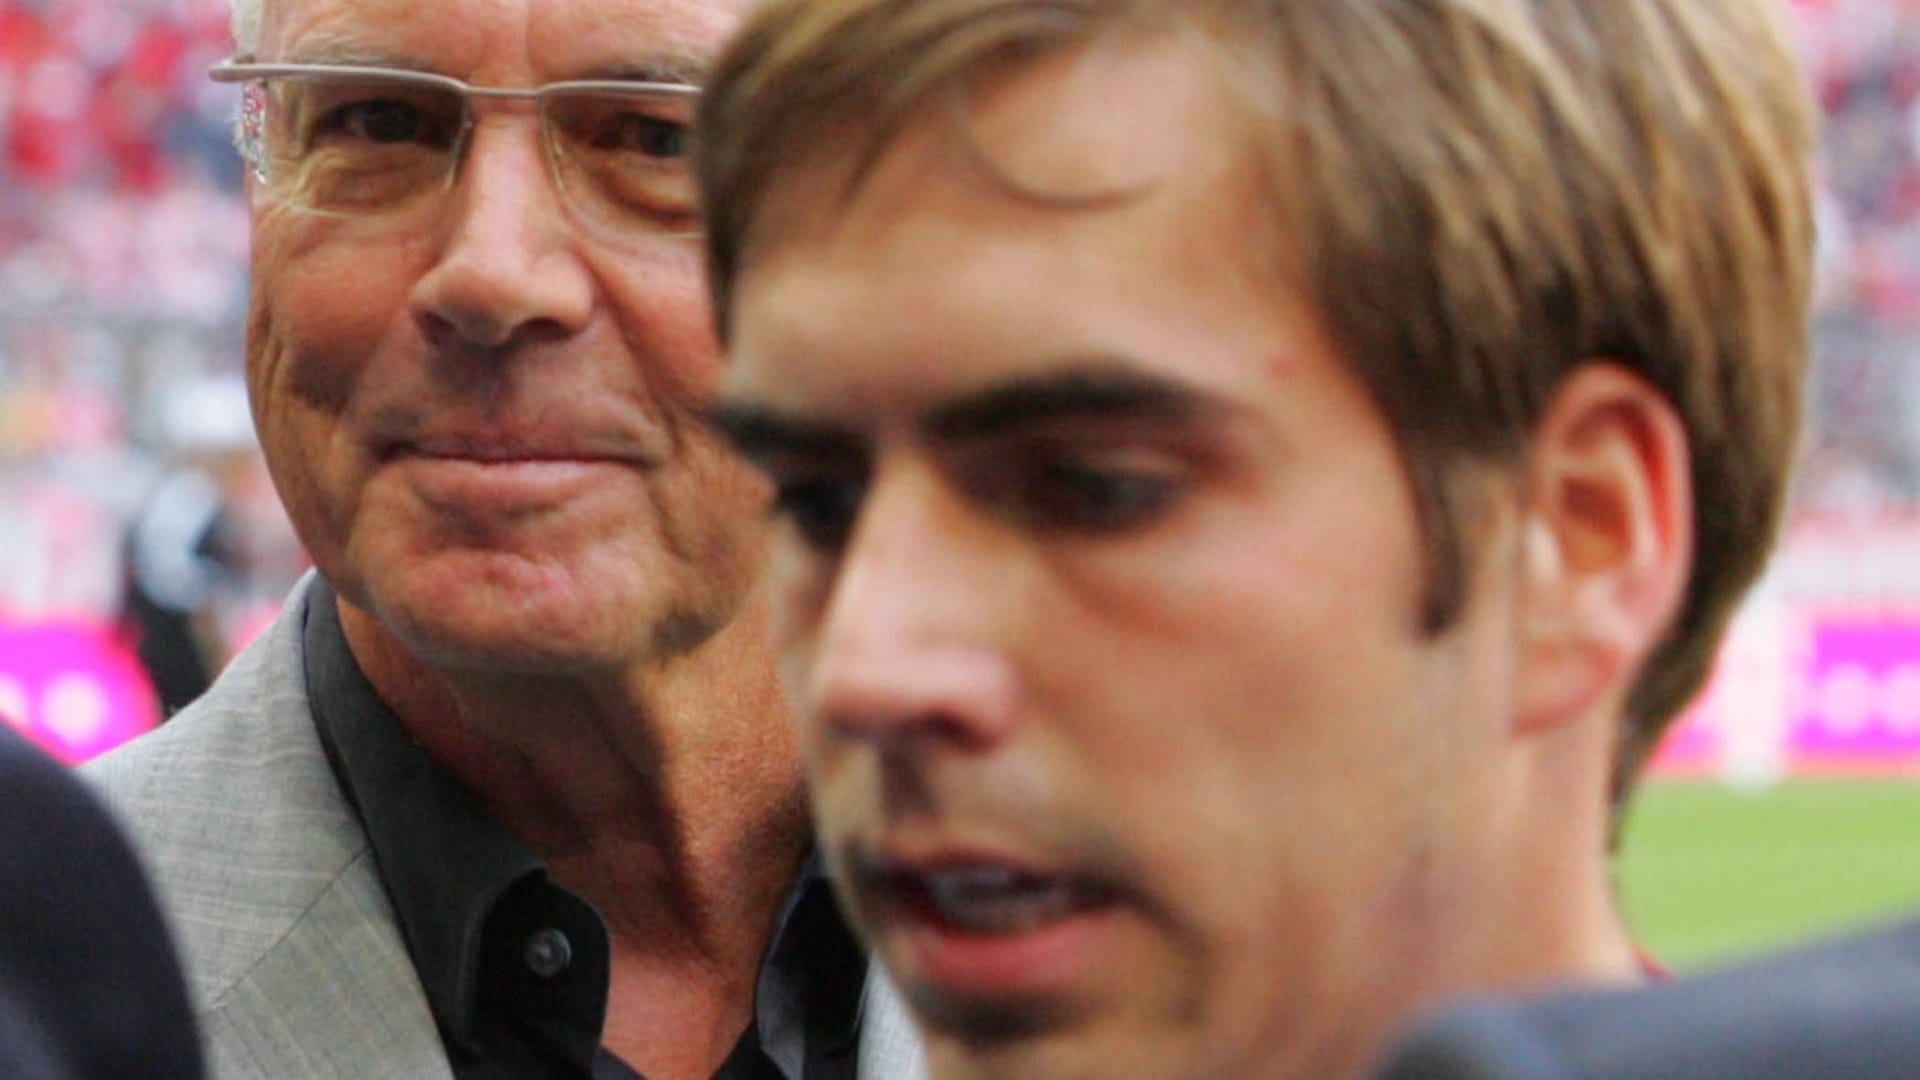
(1478, 195)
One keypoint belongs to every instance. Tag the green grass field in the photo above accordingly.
(1708, 873)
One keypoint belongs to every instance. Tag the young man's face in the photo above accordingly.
(1098, 579)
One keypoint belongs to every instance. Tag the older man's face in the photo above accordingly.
(1097, 580)
(481, 412)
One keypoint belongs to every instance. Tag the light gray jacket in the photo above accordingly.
(295, 958)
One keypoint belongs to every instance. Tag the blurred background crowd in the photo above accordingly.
(1864, 56)
(135, 518)
(141, 539)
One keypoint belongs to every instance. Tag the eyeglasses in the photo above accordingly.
(372, 142)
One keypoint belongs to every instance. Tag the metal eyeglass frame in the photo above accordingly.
(249, 130)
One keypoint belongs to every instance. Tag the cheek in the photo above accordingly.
(1270, 720)
(323, 305)
(272, 387)
(798, 587)
(799, 584)
(1262, 638)
(800, 581)
(1272, 697)
(666, 317)
(324, 299)
(714, 520)
(308, 468)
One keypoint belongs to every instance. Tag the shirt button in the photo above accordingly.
(548, 952)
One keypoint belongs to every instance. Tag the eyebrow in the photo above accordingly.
(760, 432)
(1097, 392)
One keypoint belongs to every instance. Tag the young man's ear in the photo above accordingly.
(1607, 541)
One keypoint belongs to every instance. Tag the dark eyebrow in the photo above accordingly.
(1097, 392)
(762, 433)
(759, 433)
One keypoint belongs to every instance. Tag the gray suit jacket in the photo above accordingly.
(1849, 1010)
(296, 962)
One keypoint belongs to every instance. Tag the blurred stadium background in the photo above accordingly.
(133, 509)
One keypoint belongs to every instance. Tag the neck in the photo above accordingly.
(668, 794)
(1548, 855)
(1521, 899)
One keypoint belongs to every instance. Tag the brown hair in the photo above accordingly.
(1478, 195)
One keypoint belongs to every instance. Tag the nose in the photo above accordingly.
(507, 269)
(914, 643)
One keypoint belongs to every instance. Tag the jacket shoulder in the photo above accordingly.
(266, 875)
(336, 1000)
(1844, 1008)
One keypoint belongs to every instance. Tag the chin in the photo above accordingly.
(607, 634)
(509, 649)
(1094, 1046)
(506, 613)
(1060, 1057)
(479, 625)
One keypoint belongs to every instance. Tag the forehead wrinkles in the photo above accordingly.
(660, 40)
(387, 32)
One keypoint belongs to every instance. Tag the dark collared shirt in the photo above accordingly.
(515, 966)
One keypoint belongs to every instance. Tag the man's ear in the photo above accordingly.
(1606, 541)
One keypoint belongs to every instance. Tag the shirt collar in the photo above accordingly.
(443, 860)
(808, 1001)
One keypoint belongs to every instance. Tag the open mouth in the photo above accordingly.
(988, 898)
(986, 944)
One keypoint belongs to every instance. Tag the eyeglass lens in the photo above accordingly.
(363, 146)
